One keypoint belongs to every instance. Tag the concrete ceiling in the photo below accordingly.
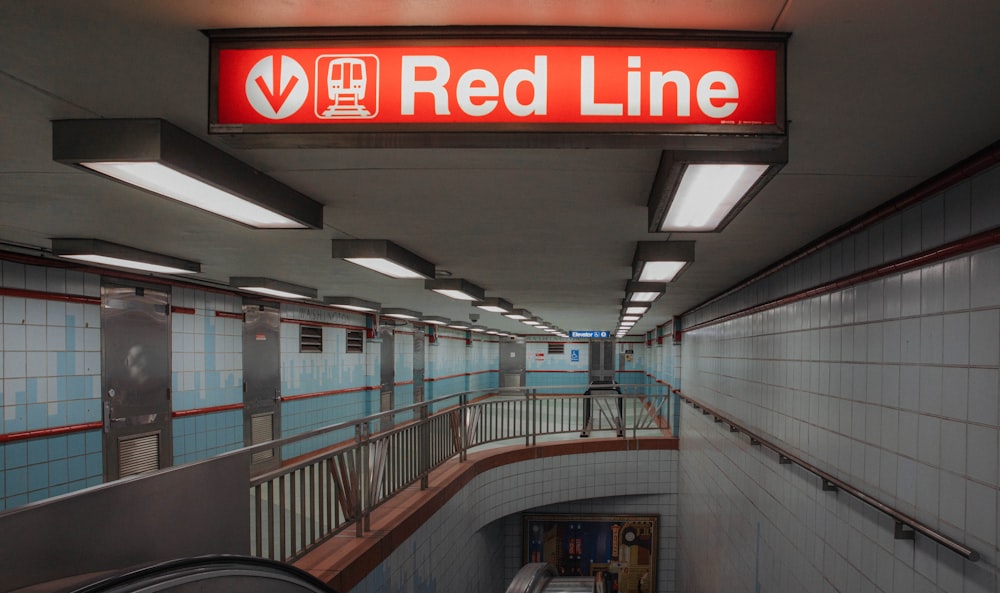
(881, 95)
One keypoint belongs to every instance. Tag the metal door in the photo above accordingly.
(603, 363)
(388, 353)
(418, 365)
(512, 355)
(136, 377)
(262, 382)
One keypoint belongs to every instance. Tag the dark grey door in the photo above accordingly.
(387, 334)
(512, 355)
(136, 379)
(603, 362)
(262, 382)
(418, 365)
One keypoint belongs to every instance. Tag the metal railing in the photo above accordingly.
(299, 505)
(905, 525)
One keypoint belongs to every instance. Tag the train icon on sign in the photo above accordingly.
(347, 86)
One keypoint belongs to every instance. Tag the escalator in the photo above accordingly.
(542, 577)
(206, 574)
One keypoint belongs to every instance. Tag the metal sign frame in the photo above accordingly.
(612, 135)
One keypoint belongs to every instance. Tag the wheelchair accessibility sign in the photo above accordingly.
(574, 356)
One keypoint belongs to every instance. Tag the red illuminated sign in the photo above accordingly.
(523, 85)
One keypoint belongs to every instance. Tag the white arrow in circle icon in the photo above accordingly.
(277, 88)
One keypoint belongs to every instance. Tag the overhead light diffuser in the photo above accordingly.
(702, 191)
(495, 305)
(158, 157)
(635, 310)
(631, 317)
(397, 313)
(460, 325)
(384, 257)
(644, 292)
(661, 261)
(456, 288)
(435, 320)
(477, 328)
(533, 321)
(270, 287)
(352, 304)
(518, 314)
(121, 256)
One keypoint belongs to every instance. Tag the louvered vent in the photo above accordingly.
(138, 454)
(355, 341)
(311, 339)
(557, 348)
(262, 431)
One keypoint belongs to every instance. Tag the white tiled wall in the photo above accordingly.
(462, 547)
(891, 384)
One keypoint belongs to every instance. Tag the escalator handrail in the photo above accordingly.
(160, 572)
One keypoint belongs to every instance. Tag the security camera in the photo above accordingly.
(473, 317)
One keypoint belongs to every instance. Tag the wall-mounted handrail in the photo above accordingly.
(831, 482)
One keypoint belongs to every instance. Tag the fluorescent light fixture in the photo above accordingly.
(435, 320)
(644, 292)
(477, 328)
(533, 321)
(635, 310)
(270, 287)
(631, 317)
(460, 325)
(384, 257)
(456, 288)
(661, 261)
(702, 191)
(397, 313)
(518, 314)
(121, 256)
(495, 305)
(352, 304)
(160, 158)
(493, 332)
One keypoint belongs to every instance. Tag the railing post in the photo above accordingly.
(365, 481)
(527, 417)
(534, 417)
(463, 429)
(424, 454)
(356, 487)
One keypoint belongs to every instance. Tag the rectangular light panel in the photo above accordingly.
(707, 193)
(384, 266)
(660, 271)
(130, 264)
(168, 182)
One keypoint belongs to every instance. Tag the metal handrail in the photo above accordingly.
(300, 505)
(831, 482)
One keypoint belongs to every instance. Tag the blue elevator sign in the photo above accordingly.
(590, 333)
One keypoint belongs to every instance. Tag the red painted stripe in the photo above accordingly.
(49, 432)
(212, 410)
(450, 338)
(953, 249)
(288, 398)
(461, 375)
(629, 371)
(229, 315)
(183, 310)
(547, 371)
(50, 296)
(402, 383)
(320, 323)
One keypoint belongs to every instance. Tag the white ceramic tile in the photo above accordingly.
(956, 284)
(982, 453)
(955, 336)
(985, 278)
(984, 336)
